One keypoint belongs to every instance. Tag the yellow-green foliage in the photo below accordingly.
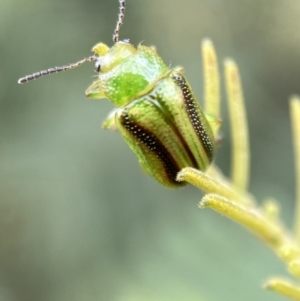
(229, 196)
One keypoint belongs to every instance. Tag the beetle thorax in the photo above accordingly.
(126, 72)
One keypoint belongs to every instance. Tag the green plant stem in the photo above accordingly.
(284, 288)
(239, 128)
(295, 118)
(272, 232)
(211, 185)
(211, 79)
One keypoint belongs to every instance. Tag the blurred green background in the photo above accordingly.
(78, 218)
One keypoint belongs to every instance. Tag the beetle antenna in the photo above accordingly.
(36, 75)
(120, 20)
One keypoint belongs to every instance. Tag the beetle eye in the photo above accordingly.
(128, 41)
(97, 66)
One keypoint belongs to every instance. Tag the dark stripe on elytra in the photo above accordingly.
(148, 139)
(194, 116)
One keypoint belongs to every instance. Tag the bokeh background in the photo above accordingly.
(78, 218)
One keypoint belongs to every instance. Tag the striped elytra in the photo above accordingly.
(166, 129)
(153, 144)
(194, 117)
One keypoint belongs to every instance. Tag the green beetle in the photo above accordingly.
(156, 111)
